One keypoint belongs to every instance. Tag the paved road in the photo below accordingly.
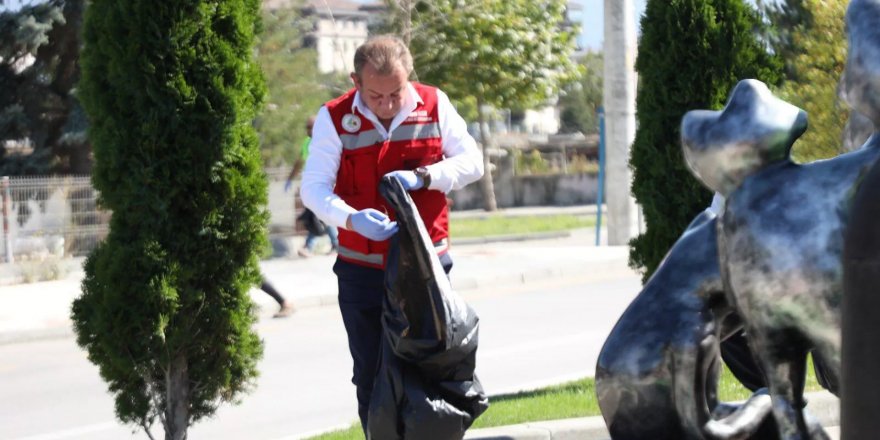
(531, 335)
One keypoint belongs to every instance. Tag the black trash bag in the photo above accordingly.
(425, 386)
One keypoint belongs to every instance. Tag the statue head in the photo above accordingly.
(754, 129)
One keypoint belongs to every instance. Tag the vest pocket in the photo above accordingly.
(357, 171)
(416, 156)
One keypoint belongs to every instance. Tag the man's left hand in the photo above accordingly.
(408, 179)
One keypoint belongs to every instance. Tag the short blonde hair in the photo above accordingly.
(383, 52)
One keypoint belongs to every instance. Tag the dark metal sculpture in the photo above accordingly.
(658, 370)
(657, 373)
(780, 259)
(781, 236)
(859, 406)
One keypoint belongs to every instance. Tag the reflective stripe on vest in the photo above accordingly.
(440, 246)
(372, 137)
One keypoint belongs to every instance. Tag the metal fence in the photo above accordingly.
(59, 216)
(45, 216)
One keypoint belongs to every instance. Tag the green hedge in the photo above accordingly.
(691, 55)
(171, 91)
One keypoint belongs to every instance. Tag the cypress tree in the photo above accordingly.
(691, 54)
(171, 90)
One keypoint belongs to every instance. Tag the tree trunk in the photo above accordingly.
(177, 399)
(486, 185)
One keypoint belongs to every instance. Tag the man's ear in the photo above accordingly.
(355, 80)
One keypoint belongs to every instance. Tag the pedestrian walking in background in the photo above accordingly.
(286, 307)
(314, 226)
(385, 125)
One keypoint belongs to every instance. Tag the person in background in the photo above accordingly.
(287, 308)
(308, 217)
(385, 125)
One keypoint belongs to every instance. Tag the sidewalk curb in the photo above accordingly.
(821, 404)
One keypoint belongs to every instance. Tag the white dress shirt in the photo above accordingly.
(462, 163)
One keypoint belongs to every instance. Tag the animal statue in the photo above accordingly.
(781, 236)
(779, 269)
(657, 373)
(859, 405)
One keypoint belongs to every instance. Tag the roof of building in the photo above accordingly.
(321, 6)
(340, 7)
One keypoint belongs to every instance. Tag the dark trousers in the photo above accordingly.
(361, 290)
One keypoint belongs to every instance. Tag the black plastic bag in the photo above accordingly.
(425, 386)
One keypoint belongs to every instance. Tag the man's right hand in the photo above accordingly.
(288, 185)
(372, 224)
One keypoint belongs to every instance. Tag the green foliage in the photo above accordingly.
(782, 19)
(529, 163)
(534, 163)
(691, 54)
(171, 91)
(816, 68)
(295, 88)
(506, 53)
(567, 400)
(580, 101)
(39, 46)
(494, 225)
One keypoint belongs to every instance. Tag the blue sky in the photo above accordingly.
(593, 23)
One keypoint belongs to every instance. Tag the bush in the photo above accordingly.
(691, 54)
(171, 90)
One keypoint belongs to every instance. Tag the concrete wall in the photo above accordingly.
(552, 190)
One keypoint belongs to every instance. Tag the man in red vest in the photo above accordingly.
(384, 125)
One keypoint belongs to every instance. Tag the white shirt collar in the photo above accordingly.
(410, 102)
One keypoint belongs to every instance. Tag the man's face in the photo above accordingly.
(383, 94)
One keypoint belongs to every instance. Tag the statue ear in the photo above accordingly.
(754, 129)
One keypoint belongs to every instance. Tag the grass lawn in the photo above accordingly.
(573, 399)
(499, 225)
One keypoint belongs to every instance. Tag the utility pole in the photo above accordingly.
(620, 112)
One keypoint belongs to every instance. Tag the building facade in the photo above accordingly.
(340, 27)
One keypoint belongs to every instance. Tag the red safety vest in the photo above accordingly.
(366, 157)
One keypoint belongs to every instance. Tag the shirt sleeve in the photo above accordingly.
(319, 174)
(463, 162)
